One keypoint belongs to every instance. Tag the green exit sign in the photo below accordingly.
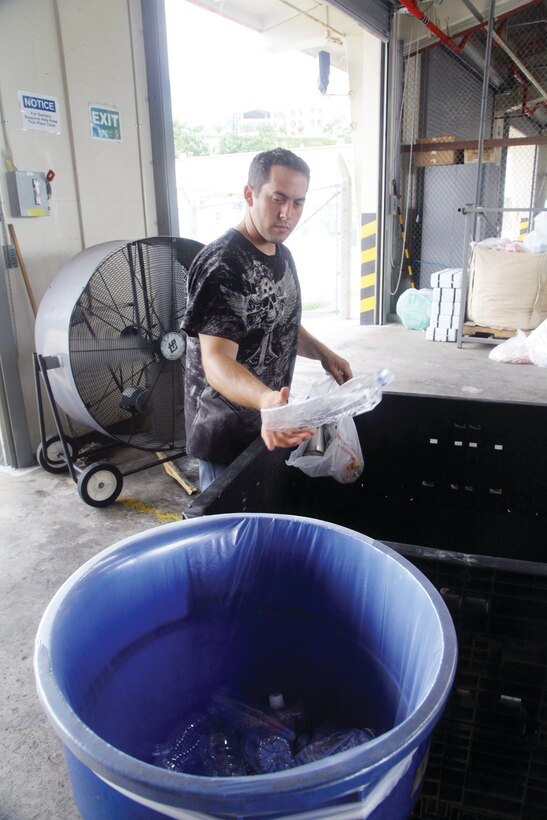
(105, 123)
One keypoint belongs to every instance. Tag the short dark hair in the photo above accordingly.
(259, 170)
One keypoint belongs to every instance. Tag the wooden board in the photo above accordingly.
(482, 331)
(175, 472)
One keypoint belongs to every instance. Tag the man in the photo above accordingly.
(243, 322)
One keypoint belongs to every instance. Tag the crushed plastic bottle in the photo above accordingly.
(327, 727)
(301, 741)
(333, 744)
(266, 752)
(244, 715)
(220, 753)
(292, 716)
(358, 395)
(180, 752)
(235, 736)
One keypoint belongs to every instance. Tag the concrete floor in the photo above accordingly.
(47, 532)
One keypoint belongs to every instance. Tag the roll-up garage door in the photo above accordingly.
(375, 15)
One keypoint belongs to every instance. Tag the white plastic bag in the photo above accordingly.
(513, 351)
(537, 345)
(523, 349)
(342, 459)
(536, 240)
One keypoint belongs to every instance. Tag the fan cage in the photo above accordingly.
(134, 301)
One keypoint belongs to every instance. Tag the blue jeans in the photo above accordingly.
(208, 471)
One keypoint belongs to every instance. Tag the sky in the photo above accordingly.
(218, 67)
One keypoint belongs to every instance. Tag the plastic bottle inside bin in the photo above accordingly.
(181, 750)
(220, 752)
(333, 744)
(266, 752)
(327, 727)
(243, 715)
(292, 716)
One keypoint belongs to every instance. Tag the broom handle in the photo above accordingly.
(22, 265)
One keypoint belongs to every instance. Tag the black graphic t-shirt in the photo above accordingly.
(238, 293)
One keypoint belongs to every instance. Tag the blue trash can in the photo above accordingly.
(146, 630)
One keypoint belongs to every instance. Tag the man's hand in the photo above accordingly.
(334, 364)
(338, 367)
(281, 438)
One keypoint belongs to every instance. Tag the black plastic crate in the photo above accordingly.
(489, 751)
(459, 488)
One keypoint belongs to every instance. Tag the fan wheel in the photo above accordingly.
(100, 484)
(52, 456)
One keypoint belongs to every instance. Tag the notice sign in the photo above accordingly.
(39, 112)
(105, 123)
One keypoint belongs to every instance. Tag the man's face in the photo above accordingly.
(277, 208)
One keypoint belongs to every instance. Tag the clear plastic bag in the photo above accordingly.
(331, 407)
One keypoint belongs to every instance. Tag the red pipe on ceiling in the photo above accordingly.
(412, 7)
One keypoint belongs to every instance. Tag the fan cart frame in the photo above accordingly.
(99, 482)
(128, 295)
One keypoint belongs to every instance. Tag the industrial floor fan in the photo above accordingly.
(111, 355)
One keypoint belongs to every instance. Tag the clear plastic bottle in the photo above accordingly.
(358, 395)
(301, 741)
(266, 752)
(180, 752)
(332, 744)
(244, 715)
(220, 752)
(292, 716)
(328, 727)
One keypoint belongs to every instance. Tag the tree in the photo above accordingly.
(189, 141)
(266, 137)
(338, 129)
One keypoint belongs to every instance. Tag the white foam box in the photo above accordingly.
(447, 278)
(444, 321)
(448, 295)
(439, 334)
(445, 309)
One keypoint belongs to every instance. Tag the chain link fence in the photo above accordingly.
(444, 116)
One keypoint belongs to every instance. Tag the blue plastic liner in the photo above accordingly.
(151, 627)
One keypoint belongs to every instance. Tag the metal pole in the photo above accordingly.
(465, 271)
(484, 106)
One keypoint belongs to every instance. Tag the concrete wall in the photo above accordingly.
(81, 53)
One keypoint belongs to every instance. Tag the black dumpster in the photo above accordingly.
(458, 486)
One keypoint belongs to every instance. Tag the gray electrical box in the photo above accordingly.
(28, 193)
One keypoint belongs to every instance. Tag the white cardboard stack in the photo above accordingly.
(445, 305)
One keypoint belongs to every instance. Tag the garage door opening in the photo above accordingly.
(236, 91)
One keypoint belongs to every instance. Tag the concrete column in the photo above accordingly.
(364, 68)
